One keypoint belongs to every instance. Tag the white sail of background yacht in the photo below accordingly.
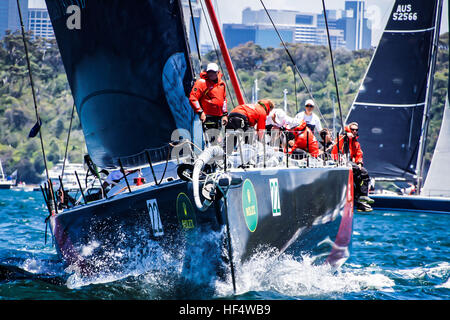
(437, 182)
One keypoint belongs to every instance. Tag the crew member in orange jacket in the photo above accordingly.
(246, 116)
(208, 98)
(360, 175)
(304, 139)
(351, 136)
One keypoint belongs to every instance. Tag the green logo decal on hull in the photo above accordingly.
(185, 212)
(249, 205)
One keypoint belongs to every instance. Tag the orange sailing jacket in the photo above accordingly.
(208, 96)
(255, 113)
(305, 140)
(356, 153)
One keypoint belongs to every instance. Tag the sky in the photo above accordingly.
(230, 11)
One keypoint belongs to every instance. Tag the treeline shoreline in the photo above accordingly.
(271, 67)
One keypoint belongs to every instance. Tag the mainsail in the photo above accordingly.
(437, 182)
(391, 101)
(128, 67)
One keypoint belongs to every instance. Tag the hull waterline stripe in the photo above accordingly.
(389, 105)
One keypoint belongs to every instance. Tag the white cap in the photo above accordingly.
(310, 102)
(212, 67)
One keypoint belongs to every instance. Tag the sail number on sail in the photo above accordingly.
(404, 13)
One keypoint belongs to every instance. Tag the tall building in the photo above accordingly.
(262, 35)
(337, 33)
(358, 33)
(306, 28)
(39, 23)
(9, 15)
(257, 28)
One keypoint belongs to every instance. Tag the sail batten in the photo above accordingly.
(410, 31)
(392, 99)
(389, 105)
(129, 72)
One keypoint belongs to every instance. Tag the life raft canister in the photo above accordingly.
(139, 181)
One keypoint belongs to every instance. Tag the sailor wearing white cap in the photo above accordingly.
(208, 98)
(212, 67)
(312, 120)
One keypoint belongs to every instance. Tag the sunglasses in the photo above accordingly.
(354, 129)
(309, 106)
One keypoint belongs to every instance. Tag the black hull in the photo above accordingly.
(5, 186)
(411, 203)
(315, 216)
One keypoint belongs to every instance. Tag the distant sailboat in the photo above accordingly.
(437, 183)
(393, 102)
(5, 183)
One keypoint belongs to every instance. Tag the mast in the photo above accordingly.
(225, 53)
(285, 92)
(429, 97)
(1, 170)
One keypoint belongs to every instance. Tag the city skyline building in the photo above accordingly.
(348, 28)
(358, 33)
(263, 35)
(39, 23)
(9, 16)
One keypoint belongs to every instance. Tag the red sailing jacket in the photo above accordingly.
(209, 96)
(255, 113)
(356, 153)
(305, 140)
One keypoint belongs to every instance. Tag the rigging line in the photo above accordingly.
(240, 83)
(195, 33)
(295, 91)
(292, 60)
(67, 142)
(32, 86)
(216, 51)
(237, 73)
(332, 64)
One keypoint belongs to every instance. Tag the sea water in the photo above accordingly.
(395, 256)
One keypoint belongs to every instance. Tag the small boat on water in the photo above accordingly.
(129, 70)
(22, 186)
(392, 108)
(5, 183)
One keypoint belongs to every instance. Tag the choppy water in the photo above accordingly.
(395, 256)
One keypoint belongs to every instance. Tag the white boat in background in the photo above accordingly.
(69, 178)
(22, 186)
(4, 182)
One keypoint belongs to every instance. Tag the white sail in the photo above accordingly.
(437, 182)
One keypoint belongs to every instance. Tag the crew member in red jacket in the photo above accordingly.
(350, 137)
(360, 174)
(246, 116)
(304, 140)
(208, 98)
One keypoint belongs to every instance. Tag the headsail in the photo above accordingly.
(128, 67)
(390, 104)
(437, 182)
